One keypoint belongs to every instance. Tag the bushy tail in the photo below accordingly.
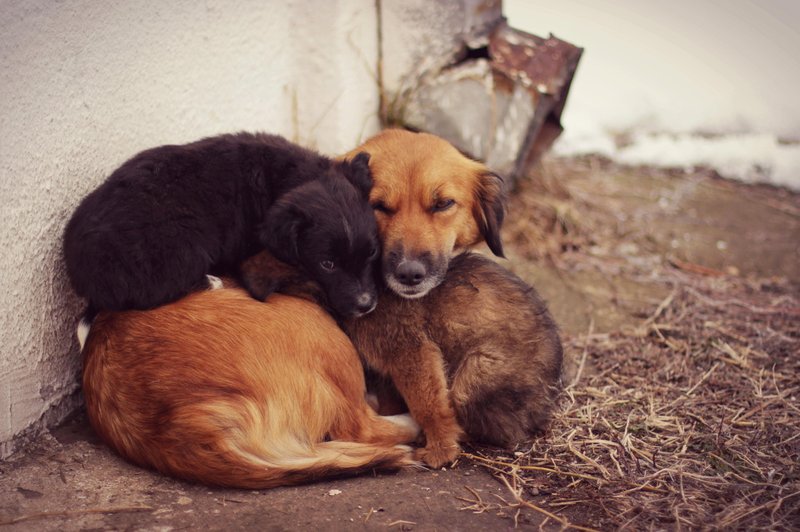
(325, 460)
(232, 443)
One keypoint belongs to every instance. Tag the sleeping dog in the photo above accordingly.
(171, 215)
(221, 389)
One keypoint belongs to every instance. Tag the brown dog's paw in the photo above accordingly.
(438, 454)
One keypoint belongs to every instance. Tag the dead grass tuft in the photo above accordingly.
(552, 223)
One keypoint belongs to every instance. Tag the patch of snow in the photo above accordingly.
(751, 157)
(748, 157)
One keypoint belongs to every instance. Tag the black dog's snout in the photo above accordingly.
(365, 303)
(411, 272)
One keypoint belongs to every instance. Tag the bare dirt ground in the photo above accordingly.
(679, 300)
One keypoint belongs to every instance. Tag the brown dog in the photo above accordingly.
(482, 334)
(495, 345)
(222, 389)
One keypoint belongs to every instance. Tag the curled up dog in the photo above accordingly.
(225, 390)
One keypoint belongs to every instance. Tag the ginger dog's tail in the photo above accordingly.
(231, 442)
(330, 459)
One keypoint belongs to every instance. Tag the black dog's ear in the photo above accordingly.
(489, 209)
(358, 173)
(281, 231)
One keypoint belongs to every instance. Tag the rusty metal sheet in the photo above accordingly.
(500, 100)
(545, 67)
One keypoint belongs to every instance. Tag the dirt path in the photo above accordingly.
(72, 471)
(591, 235)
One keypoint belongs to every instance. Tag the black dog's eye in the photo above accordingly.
(373, 253)
(327, 265)
(442, 205)
(381, 207)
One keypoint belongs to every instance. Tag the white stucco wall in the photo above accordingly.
(85, 84)
(420, 37)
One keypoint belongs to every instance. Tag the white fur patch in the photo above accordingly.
(83, 331)
(372, 401)
(363, 299)
(214, 283)
(404, 420)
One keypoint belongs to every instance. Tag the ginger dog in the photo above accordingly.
(225, 390)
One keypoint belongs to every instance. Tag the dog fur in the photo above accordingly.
(431, 203)
(479, 352)
(171, 215)
(229, 391)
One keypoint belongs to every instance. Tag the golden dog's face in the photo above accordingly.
(431, 202)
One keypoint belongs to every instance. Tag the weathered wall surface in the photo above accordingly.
(85, 85)
(419, 37)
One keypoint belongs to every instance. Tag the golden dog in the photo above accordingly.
(431, 202)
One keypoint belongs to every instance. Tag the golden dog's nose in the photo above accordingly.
(410, 272)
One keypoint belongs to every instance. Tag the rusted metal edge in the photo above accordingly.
(545, 67)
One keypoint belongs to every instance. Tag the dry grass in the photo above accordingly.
(689, 420)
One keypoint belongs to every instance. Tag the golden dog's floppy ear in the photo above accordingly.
(489, 209)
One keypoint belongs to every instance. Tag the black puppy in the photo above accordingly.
(171, 215)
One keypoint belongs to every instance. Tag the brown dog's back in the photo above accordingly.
(224, 390)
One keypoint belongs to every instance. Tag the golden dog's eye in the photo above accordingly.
(442, 205)
(327, 265)
(381, 207)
